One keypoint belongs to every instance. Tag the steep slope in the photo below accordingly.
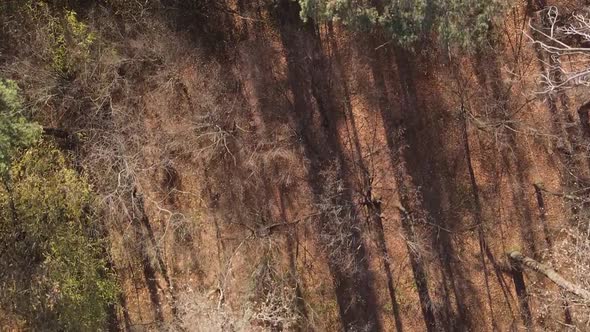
(256, 172)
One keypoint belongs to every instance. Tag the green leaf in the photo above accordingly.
(15, 131)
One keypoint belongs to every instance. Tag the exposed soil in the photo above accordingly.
(367, 187)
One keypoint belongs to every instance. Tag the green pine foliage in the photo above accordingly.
(466, 23)
(462, 23)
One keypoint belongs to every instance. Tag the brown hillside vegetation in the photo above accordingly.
(255, 172)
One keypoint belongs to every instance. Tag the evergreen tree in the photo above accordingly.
(462, 23)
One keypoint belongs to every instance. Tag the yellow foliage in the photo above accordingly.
(69, 39)
(54, 274)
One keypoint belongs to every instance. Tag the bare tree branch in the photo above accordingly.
(558, 39)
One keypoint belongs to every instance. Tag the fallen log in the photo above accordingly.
(551, 274)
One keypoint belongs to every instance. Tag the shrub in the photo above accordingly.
(52, 272)
(71, 41)
(15, 131)
(463, 23)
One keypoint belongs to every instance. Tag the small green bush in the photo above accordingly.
(65, 42)
(71, 42)
(15, 131)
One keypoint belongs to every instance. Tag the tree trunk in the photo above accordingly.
(549, 273)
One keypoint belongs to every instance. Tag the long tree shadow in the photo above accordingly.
(516, 165)
(306, 71)
(514, 162)
(293, 253)
(434, 178)
(372, 204)
(392, 125)
(269, 114)
(142, 220)
(478, 199)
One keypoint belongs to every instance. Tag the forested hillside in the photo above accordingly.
(294, 165)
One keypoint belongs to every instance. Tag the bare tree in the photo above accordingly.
(563, 43)
(566, 41)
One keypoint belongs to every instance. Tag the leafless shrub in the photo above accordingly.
(273, 298)
(278, 156)
(212, 136)
(276, 309)
(200, 312)
(570, 258)
(338, 223)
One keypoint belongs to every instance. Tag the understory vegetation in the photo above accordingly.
(54, 270)
(294, 165)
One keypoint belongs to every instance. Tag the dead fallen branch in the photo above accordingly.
(551, 274)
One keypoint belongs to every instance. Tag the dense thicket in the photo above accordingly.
(53, 269)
